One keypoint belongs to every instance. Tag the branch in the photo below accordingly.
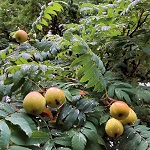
(139, 23)
(134, 68)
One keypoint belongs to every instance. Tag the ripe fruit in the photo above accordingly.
(130, 119)
(21, 36)
(119, 110)
(55, 97)
(114, 128)
(34, 103)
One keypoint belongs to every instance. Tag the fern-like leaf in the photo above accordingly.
(90, 70)
(71, 116)
(136, 137)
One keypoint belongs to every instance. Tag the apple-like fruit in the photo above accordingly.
(34, 103)
(21, 36)
(119, 110)
(130, 119)
(114, 128)
(55, 97)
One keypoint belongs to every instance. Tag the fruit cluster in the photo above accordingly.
(121, 114)
(35, 103)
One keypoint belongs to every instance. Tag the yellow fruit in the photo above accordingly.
(21, 36)
(34, 103)
(130, 119)
(114, 128)
(119, 110)
(55, 97)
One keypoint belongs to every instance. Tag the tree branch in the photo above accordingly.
(139, 23)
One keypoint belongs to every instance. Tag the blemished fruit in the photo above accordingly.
(21, 36)
(130, 119)
(34, 103)
(114, 128)
(119, 110)
(55, 97)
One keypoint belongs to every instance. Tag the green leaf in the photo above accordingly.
(4, 135)
(28, 119)
(21, 61)
(85, 57)
(101, 141)
(104, 118)
(8, 80)
(48, 145)
(141, 128)
(39, 134)
(64, 141)
(92, 82)
(81, 119)
(7, 108)
(85, 67)
(39, 27)
(18, 148)
(2, 88)
(122, 85)
(79, 49)
(90, 125)
(47, 16)
(134, 142)
(17, 77)
(126, 97)
(146, 50)
(26, 87)
(57, 6)
(64, 113)
(70, 119)
(68, 95)
(93, 146)
(145, 134)
(111, 90)
(110, 12)
(17, 85)
(44, 22)
(143, 95)
(133, 137)
(3, 114)
(90, 134)
(142, 146)
(3, 55)
(78, 141)
(98, 62)
(21, 122)
(63, 148)
(86, 105)
(50, 10)
(118, 93)
(20, 138)
(88, 74)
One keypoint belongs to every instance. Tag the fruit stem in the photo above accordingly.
(108, 101)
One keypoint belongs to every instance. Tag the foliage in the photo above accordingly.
(94, 52)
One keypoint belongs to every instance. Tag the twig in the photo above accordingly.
(108, 101)
(139, 23)
(134, 69)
